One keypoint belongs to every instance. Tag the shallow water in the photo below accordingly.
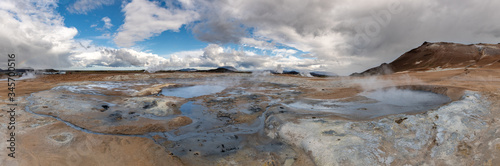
(407, 98)
(209, 134)
(377, 103)
(192, 91)
(207, 122)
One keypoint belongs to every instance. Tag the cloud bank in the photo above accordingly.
(144, 19)
(355, 34)
(336, 36)
(37, 35)
(215, 56)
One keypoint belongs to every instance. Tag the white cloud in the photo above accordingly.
(284, 52)
(342, 31)
(106, 27)
(260, 44)
(115, 58)
(144, 19)
(104, 36)
(51, 44)
(39, 38)
(187, 54)
(107, 23)
(339, 36)
(35, 33)
(318, 27)
(214, 56)
(84, 6)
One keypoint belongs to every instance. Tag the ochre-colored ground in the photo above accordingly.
(483, 79)
(48, 142)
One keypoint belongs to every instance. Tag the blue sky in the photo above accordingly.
(166, 43)
(90, 27)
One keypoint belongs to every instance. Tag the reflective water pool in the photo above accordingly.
(377, 103)
(192, 91)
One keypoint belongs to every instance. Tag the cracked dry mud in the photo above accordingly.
(248, 119)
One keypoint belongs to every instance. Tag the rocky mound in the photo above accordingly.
(440, 56)
(224, 69)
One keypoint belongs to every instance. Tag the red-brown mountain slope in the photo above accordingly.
(441, 55)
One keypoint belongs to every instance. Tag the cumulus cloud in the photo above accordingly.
(107, 23)
(344, 31)
(45, 42)
(379, 31)
(35, 34)
(38, 37)
(214, 56)
(337, 36)
(211, 56)
(257, 43)
(219, 31)
(305, 25)
(84, 6)
(116, 58)
(144, 19)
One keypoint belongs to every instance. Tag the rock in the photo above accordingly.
(152, 90)
(179, 121)
(289, 162)
(62, 138)
(158, 106)
(399, 121)
(223, 115)
(116, 116)
(148, 105)
(255, 108)
(383, 69)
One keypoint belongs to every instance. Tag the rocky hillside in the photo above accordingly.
(440, 56)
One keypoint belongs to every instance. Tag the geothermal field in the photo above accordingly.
(417, 110)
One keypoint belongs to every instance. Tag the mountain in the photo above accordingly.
(441, 55)
(224, 69)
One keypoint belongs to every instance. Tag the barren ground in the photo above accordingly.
(252, 113)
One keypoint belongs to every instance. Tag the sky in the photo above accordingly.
(337, 36)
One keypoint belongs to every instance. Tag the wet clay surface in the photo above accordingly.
(212, 119)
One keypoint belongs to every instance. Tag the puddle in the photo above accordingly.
(207, 122)
(407, 98)
(378, 103)
(208, 134)
(192, 91)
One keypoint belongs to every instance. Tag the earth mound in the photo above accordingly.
(441, 55)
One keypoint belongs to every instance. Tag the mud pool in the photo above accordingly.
(377, 103)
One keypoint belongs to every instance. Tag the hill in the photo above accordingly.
(441, 55)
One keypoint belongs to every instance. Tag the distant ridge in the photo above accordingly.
(224, 69)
